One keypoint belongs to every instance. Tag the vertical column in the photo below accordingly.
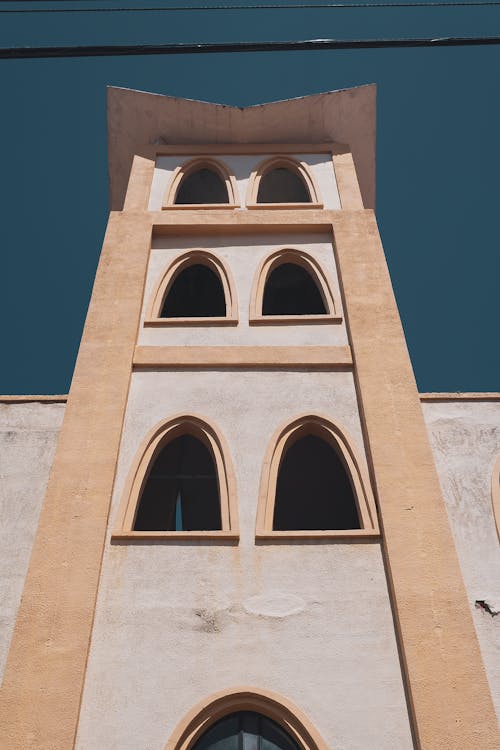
(446, 680)
(45, 671)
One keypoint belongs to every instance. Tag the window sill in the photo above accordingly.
(172, 322)
(270, 320)
(341, 534)
(261, 206)
(174, 536)
(196, 206)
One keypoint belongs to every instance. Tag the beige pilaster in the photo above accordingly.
(141, 176)
(44, 676)
(447, 686)
(347, 181)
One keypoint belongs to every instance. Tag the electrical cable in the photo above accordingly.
(108, 50)
(205, 8)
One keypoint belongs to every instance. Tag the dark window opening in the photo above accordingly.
(281, 185)
(202, 186)
(290, 290)
(196, 292)
(313, 490)
(181, 492)
(245, 730)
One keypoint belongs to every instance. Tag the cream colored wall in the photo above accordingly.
(242, 166)
(243, 255)
(465, 438)
(28, 435)
(177, 622)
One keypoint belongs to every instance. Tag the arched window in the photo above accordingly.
(181, 484)
(202, 186)
(290, 290)
(181, 491)
(313, 489)
(245, 719)
(281, 185)
(201, 182)
(282, 180)
(196, 292)
(245, 730)
(289, 285)
(196, 288)
(313, 484)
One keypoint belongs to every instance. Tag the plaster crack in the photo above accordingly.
(487, 607)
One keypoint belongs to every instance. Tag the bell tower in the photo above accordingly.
(243, 539)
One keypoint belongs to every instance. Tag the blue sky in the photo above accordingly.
(438, 161)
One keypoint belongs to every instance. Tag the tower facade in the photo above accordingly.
(243, 537)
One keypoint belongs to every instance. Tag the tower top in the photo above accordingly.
(137, 119)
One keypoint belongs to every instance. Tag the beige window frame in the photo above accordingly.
(338, 438)
(176, 267)
(313, 268)
(156, 439)
(275, 707)
(194, 165)
(286, 162)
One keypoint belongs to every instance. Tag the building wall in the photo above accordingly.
(242, 166)
(28, 436)
(244, 599)
(178, 621)
(242, 255)
(465, 438)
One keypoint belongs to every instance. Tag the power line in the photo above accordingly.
(301, 6)
(108, 50)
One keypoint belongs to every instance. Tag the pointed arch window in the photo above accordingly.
(245, 730)
(282, 181)
(197, 288)
(181, 485)
(313, 485)
(291, 286)
(245, 719)
(202, 182)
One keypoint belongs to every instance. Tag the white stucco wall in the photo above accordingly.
(28, 435)
(465, 437)
(176, 622)
(243, 255)
(242, 166)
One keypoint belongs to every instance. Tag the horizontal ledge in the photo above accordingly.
(189, 149)
(451, 396)
(460, 396)
(260, 219)
(276, 536)
(57, 399)
(200, 206)
(174, 536)
(172, 322)
(242, 356)
(284, 206)
(296, 320)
